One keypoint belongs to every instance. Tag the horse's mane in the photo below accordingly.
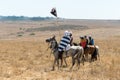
(75, 44)
(56, 46)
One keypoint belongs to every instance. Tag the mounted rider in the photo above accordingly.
(83, 42)
(87, 40)
(91, 41)
(64, 42)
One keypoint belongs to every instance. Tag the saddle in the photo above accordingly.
(90, 49)
(92, 46)
(67, 48)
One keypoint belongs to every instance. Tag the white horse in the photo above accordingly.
(76, 52)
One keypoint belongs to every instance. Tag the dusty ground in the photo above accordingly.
(23, 55)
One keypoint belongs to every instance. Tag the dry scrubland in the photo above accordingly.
(23, 54)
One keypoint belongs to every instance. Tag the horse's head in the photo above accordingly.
(50, 39)
(53, 42)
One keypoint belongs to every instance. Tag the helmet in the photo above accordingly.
(66, 33)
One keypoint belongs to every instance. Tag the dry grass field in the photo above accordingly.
(23, 54)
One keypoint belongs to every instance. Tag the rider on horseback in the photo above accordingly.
(63, 43)
(83, 42)
(91, 41)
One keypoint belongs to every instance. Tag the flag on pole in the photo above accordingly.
(54, 12)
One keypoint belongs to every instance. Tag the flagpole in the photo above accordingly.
(54, 12)
(58, 28)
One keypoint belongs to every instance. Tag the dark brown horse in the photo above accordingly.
(91, 50)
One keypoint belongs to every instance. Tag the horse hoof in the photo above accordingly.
(71, 69)
(52, 69)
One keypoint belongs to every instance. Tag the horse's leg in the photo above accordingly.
(94, 55)
(73, 63)
(58, 63)
(54, 65)
(83, 59)
(65, 62)
(92, 58)
(86, 57)
(86, 54)
(78, 59)
(65, 58)
(73, 58)
(61, 58)
(50, 53)
(61, 62)
(56, 58)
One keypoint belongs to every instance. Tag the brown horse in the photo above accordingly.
(91, 50)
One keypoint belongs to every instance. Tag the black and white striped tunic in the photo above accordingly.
(63, 43)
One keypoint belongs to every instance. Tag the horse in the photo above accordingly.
(76, 52)
(92, 50)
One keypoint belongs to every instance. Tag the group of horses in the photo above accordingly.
(76, 52)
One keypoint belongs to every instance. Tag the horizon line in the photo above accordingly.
(58, 17)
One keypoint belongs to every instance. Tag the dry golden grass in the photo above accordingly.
(26, 57)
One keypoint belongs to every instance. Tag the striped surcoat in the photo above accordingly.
(63, 43)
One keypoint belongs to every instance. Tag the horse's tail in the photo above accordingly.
(97, 51)
(82, 52)
(95, 54)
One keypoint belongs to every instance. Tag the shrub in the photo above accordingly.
(32, 33)
(19, 35)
